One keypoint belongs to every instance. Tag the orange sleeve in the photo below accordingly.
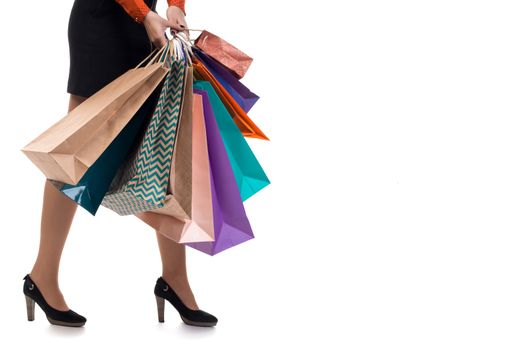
(179, 3)
(137, 9)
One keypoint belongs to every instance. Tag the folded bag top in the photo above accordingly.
(231, 57)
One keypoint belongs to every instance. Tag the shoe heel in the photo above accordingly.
(160, 308)
(30, 306)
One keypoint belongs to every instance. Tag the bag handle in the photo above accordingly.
(188, 55)
(180, 49)
(183, 49)
(161, 56)
(155, 53)
(178, 46)
(174, 50)
(148, 56)
(164, 53)
(195, 30)
(190, 29)
(186, 45)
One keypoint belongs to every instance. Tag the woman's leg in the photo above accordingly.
(173, 256)
(57, 215)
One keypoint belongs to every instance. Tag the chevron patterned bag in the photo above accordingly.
(142, 182)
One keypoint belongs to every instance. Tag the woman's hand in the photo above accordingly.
(156, 28)
(176, 15)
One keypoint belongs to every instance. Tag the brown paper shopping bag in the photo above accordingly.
(195, 225)
(179, 186)
(69, 147)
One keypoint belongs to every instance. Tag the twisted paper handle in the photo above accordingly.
(194, 30)
(159, 55)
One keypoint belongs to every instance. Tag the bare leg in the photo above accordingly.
(57, 215)
(173, 256)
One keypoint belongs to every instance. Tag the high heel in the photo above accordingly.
(191, 317)
(30, 306)
(160, 308)
(57, 317)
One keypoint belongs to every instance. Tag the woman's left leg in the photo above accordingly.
(173, 256)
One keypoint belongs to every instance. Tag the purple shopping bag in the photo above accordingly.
(240, 93)
(230, 222)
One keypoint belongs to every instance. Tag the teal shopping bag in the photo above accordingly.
(249, 174)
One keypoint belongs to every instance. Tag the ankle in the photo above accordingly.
(176, 276)
(43, 277)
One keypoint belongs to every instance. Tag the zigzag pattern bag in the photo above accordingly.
(144, 180)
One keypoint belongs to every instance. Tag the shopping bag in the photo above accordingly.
(249, 174)
(229, 217)
(69, 147)
(228, 55)
(143, 182)
(243, 121)
(240, 93)
(90, 190)
(198, 226)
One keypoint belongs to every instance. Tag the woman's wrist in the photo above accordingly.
(141, 12)
(147, 16)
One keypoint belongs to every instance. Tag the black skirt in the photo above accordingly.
(104, 42)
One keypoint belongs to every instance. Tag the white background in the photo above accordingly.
(395, 215)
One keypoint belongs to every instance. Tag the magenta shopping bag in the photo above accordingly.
(230, 222)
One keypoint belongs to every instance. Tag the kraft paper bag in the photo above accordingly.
(240, 93)
(231, 224)
(90, 190)
(228, 55)
(243, 121)
(180, 180)
(248, 172)
(69, 147)
(198, 226)
(142, 184)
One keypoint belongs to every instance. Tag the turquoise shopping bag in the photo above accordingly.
(249, 174)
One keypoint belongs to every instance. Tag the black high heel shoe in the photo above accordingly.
(57, 317)
(191, 317)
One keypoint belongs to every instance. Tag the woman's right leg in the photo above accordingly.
(57, 215)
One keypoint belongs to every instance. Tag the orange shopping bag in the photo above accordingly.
(243, 121)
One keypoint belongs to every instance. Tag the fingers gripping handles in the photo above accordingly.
(178, 46)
